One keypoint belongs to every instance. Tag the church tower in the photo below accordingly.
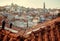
(44, 7)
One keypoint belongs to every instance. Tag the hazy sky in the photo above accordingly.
(32, 3)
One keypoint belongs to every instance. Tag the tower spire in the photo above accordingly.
(12, 2)
(44, 7)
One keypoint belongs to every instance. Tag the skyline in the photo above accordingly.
(32, 3)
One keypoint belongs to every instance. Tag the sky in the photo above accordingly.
(32, 3)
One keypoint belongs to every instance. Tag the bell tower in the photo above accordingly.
(44, 7)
